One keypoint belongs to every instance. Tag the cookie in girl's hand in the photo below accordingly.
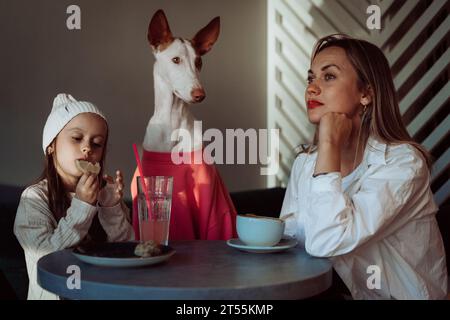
(87, 167)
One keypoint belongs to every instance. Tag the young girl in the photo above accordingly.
(361, 192)
(58, 211)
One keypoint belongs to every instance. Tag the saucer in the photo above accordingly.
(284, 244)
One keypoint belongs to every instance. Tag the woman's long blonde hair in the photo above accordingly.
(382, 120)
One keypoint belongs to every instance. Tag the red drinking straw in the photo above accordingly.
(143, 185)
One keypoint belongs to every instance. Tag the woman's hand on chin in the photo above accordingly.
(335, 129)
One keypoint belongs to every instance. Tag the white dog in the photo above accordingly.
(201, 205)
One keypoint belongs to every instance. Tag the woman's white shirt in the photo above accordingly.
(382, 223)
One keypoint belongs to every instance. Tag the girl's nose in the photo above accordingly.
(312, 89)
(86, 149)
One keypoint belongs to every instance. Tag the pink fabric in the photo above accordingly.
(201, 205)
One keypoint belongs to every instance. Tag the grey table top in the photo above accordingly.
(206, 270)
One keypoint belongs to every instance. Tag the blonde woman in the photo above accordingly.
(361, 191)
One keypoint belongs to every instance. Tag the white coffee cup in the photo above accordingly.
(259, 230)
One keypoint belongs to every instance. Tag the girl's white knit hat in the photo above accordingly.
(65, 108)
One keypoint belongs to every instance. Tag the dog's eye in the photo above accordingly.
(176, 60)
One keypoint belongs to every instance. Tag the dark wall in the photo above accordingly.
(109, 63)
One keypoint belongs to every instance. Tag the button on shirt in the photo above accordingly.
(379, 229)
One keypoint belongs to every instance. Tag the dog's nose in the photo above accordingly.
(198, 95)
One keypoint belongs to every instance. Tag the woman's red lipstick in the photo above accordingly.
(314, 104)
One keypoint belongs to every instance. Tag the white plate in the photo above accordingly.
(119, 254)
(284, 244)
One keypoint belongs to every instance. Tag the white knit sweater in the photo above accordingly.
(39, 234)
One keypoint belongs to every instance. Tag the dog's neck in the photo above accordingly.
(171, 113)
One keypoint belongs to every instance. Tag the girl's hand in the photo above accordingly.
(87, 188)
(335, 129)
(112, 193)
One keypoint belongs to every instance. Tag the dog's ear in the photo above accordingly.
(205, 38)
(159, 33)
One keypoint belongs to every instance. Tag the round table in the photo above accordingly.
(207, 270)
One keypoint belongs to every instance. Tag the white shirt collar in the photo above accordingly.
(375, 151)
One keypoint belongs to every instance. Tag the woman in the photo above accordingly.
(361, 191)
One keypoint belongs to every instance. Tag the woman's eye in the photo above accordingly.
(76, 138)
(176, 60)
(97, 145)
(329, 76)
(309, 80)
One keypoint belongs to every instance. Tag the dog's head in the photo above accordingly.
(178, 61)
